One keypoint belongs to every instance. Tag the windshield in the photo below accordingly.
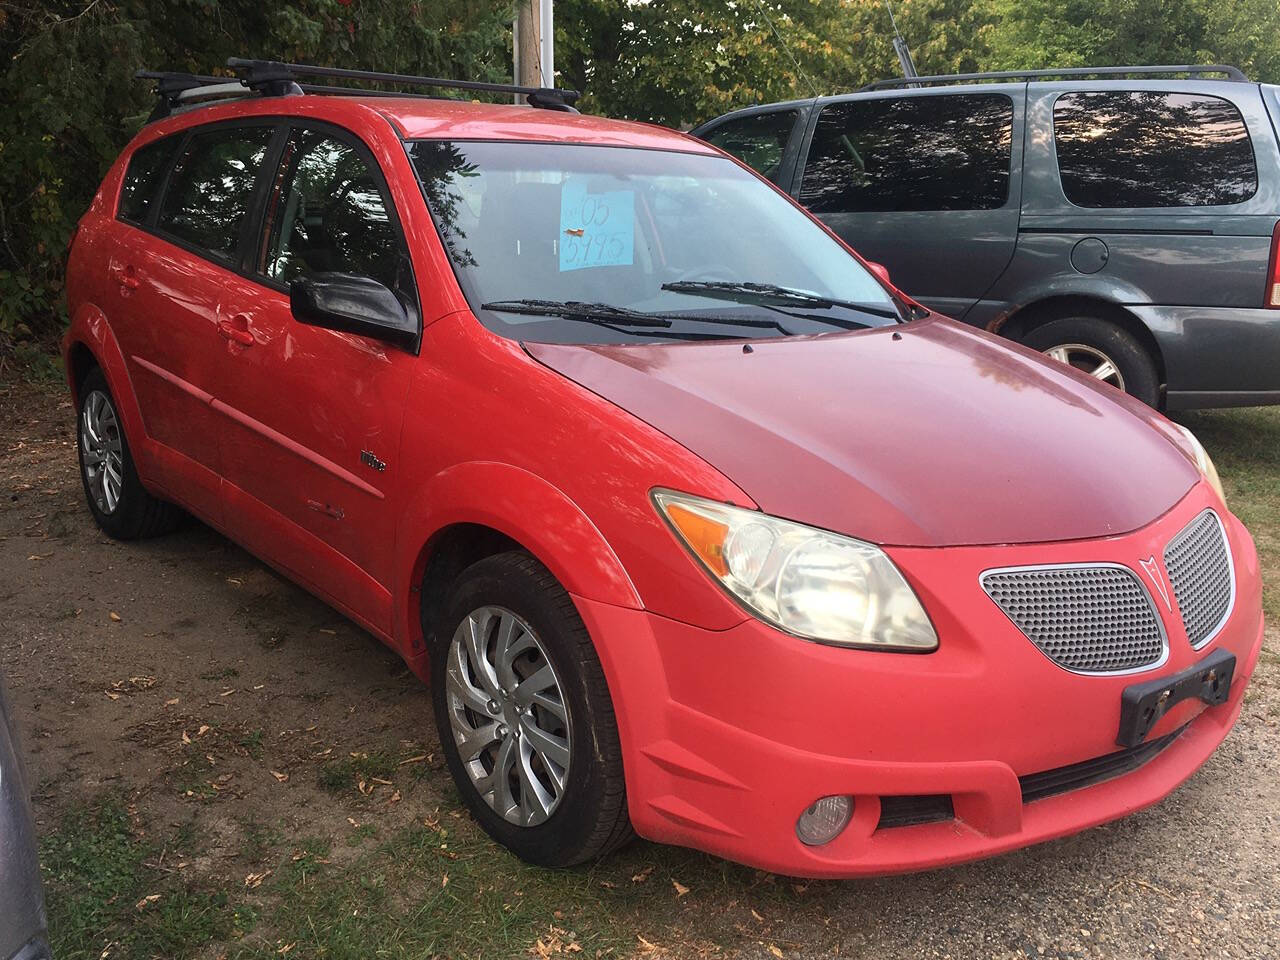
(587, 244)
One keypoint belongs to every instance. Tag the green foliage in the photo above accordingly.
(72, 103)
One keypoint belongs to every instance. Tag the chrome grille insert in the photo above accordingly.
(1088, 617)
(1199, 565)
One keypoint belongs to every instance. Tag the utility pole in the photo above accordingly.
(533, 37)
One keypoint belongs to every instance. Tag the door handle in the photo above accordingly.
(240, 335)
(128, 278)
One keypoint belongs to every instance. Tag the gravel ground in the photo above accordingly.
(111, 649)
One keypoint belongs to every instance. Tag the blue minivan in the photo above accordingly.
(1124, 220)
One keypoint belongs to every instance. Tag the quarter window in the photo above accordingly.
(759, 140)
(1149, 149)
(211, 188)
(142, 178)
(329, 214)
(945, 152)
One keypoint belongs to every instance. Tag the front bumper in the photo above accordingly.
(729, 735)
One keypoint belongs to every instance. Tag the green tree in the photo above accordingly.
(72, 103)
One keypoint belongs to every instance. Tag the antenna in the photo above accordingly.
(900, 47)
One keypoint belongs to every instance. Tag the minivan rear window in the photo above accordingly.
(940, 152)
(142, 178)
(1144, 148)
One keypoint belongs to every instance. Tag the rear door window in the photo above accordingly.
(1119, 148)
(211, 188)
(759, 140)
(946, 152)
(143, 177)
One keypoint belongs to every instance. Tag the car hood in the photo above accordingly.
(925, 434)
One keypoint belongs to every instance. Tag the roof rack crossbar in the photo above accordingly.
(1231, 73)
(261, 73)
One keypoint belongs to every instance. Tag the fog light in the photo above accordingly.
(821, 822)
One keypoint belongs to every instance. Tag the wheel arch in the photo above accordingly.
(477, 509)
(1019, 322)
(90, 343)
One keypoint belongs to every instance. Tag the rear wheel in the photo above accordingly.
(525, 718)
(119, 503)
(1102, 350)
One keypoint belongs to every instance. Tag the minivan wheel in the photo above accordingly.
(1102, 350)
(119, 503)
(525, 718)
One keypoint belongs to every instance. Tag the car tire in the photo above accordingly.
(1096, 347)
(514, 714)
(121, 506)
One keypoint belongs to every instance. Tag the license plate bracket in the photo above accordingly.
(1143, 704)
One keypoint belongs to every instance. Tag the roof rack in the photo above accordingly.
(1231, 73)
(270, 78)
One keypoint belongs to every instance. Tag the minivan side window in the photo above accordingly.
(328, 213)
(211, 188)
(1148, 149)
(143, 177)
(944, 152)
(758, 140)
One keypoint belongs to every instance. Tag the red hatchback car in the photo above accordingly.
(694, 525)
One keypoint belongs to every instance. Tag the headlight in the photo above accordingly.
(809, 582)
(1201, 457)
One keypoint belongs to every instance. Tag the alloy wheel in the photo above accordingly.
(1088, 360)
(102, 450)
(508, 715)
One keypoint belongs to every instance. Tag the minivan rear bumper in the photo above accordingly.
(1216, 356)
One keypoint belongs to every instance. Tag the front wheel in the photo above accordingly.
(525, 717)
(1102, 350)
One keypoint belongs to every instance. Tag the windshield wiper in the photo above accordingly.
(579, 310)
(771, 295)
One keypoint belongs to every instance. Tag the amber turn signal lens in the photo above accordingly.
(704, 536)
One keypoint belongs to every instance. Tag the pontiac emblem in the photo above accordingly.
(1152, 570)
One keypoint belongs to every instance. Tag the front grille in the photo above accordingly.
(1199, 565)
(1090, 618)
(1050, 783)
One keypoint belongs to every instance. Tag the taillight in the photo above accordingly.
(1272, 296)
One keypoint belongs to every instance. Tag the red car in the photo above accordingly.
(694, 525)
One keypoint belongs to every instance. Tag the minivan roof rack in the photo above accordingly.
(271, 78)
(1230, 72)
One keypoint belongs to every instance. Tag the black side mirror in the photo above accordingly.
(356, 304)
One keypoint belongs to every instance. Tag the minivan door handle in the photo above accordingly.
(237, 330)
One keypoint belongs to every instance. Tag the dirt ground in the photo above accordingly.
(237, 720)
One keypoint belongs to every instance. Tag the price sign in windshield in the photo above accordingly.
(596, 229)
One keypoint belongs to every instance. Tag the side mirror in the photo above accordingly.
(880, 270)
(356, 304)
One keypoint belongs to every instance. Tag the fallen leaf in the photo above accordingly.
(351, 820)
(171, 703)
(444, 881)
(282, 777)
(395, 797)
(756, 915)
(204, 728)
(254, 880)
(774, 950)
(147, 901)
(113, 615)
(413, 760)
(185, 738)
(642, 876)
(113, 696)
(681, 889)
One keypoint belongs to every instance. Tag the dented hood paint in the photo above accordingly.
(925, 434)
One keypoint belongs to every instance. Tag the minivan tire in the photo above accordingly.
(135, 514)
(589, 818)
(1136, 367)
